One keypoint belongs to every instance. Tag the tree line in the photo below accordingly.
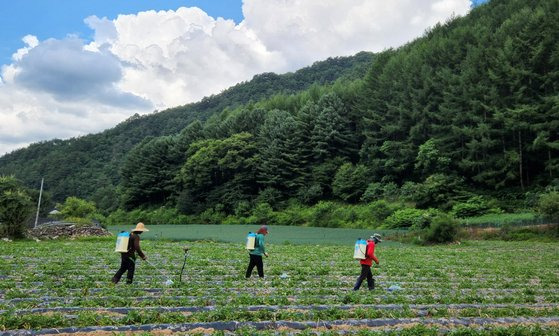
(470, 108)
(88, 166)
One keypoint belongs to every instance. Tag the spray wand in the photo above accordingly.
(168, 282)
(185, 249)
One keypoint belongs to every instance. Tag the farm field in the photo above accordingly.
(237, 233)
(476, 288)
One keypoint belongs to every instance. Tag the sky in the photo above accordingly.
(73, 67)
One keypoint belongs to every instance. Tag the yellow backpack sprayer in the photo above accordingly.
(122, 242)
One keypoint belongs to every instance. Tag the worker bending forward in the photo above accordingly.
(128, 259)
(256, 254)
(368, 262)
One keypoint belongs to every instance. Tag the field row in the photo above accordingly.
(542, 326)
(51, 287)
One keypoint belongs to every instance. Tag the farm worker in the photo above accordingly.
(256, 254)
(368, 262)
(128, 259)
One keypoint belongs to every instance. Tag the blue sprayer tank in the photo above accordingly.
(251, 239)
(360, 249)
(122, 242)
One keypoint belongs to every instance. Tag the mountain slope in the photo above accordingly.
(89, 165)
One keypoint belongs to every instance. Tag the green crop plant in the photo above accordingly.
(501, 279)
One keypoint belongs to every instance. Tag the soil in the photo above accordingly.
(66, 230)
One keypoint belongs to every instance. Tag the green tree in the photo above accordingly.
(350, 182)
(74, 207)
(332, 134)
(220, 172)
(147, 175)
(430, 160)
(15, 207)
(279, 154)
(548, 206)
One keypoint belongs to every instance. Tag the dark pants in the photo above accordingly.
(255, 260)
(365, 273)
(127, 263)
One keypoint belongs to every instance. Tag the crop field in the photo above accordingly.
(476, 288)
(237, 233)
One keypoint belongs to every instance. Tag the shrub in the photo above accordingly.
(410, 191)
(376, 191)
(391, 191)
(322, 214)
(548, 206)
(373, 192)
(263, 214)
(289, 217)
(407, 218)
(163, 215)
(310, 194)
(438, 190)
(381, 209)
(270, 196)
(15, 207)
(74, 207)
(475, 206)
(348, 183)
(117, 217)
(242, 208)
(443, 229)
(212, 216)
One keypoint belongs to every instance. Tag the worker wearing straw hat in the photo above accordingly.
(128, 259)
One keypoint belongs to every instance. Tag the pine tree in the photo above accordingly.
(279, 153)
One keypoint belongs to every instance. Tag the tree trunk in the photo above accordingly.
(549, 160)
(520, 160)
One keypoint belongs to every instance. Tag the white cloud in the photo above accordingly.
(30, 116)
(31, 42)
(306, 31)
(176, 57)
(169, 58)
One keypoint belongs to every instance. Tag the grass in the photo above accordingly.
(498, 220)
(237, 233)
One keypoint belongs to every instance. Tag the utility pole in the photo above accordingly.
(39, 204)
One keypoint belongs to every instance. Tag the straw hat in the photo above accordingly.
(140, 227)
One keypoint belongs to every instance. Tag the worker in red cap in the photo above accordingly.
(256, 254)
(368, 262)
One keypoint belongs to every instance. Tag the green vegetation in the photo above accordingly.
(15, 207)
(79, 211)
(462, 121)
(88, 167)
(499, 220)
(548, 206)
(237, 233)
(455, 289)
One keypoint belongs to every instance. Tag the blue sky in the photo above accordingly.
(73, 67)
(58, 18)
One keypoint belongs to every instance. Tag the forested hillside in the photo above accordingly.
(88, 166)
(471, 108)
